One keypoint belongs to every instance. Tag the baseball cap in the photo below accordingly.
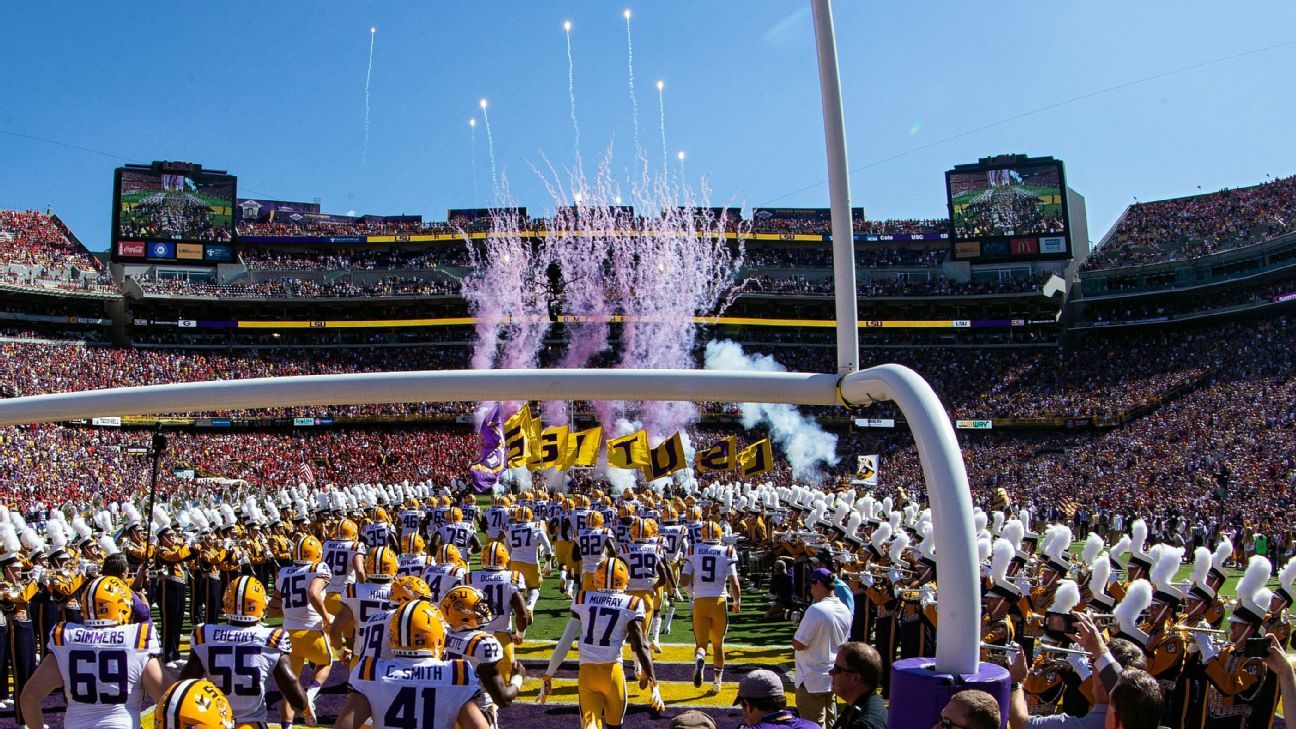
(693, 719)
(760, 684)
(823, 575)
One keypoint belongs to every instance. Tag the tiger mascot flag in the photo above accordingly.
(866, 470)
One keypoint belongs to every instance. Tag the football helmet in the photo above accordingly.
(495, 556)
(380, 514)
(413, 543)
(449, 554)
(642, 530)
(408, 588)
(417, 630)
(347, 529)
(594, 520)
(106, 603)
(307, 550)
(523, 515)
(456, 515)
(694, 514)
(194, 704)
(380, 564)
(710, 533)
(612, 574)
(245, 600)
(466, 607)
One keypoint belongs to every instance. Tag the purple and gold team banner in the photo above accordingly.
(489, 465)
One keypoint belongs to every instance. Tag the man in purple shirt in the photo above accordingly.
(764, 704)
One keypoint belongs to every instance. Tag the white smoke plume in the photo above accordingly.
(807, 447)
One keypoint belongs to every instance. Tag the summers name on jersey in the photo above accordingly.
(239, 660)
(498, 586)
(405, 693)
(442, 578)
(605, 619)
(101, 670)
(711, 565)
(293, 588)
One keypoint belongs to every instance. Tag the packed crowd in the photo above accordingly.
(35, 251)
(262, 259)
(1191, 227)
(934, 285)
(293, 287)
(871, 256)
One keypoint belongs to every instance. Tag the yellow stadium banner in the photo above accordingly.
(551, 448)
(756, 459)
(518, 430)
(666, 458)
(583, 447)
(719, 457)
(628, 451)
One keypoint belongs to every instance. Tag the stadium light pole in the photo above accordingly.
(843, 234)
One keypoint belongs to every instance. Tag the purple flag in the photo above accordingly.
(487, 468)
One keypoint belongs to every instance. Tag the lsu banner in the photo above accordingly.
(866, 470)
(551, 449)
(629, 451)
(519, 433)
(583, 447)
(486, 469)
(719, 457)
(756, 459)
(665, 459)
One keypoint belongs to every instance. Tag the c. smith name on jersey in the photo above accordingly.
(427, 673)
(91, 635)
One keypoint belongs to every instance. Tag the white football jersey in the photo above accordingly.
(642, 559)
(292, 588)
(378, 534)
(525, 542)
(415, 692)
(440, 516)
(410, 519)
(605, 619)
(442, 578)
(476, 647)
(499, 586)
(412, 564)
(338, 555)
(101, 670)
(590, 545)
(458, 534)
(366, 598)
(674, 540)
(240, 659)
(371, 636)
(497, 521)
(711, 565)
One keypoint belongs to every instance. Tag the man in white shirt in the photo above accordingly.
(824, 627)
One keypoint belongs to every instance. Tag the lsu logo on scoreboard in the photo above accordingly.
(318, 325)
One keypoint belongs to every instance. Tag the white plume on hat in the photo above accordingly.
(1122, 546)
(1092, 546)
(1201, 565)
(983, 548)
(1287, 576)
(1165, 563)
(1099, 575)
(1253, 580)
(897, 548)
(108, 545)
(1130, 610)
(81, 528)
(880, 537)
(1001, 556)
(9, 538)
(1013, 531)
(1138, 535)
(996, 521)
(1066, 597)
(1223, 551)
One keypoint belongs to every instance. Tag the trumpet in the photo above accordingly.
(1061, 649)
(1195, 629)
(994, 650)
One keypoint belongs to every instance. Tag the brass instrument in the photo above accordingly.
(1194, 629)
(996, 651)
(1061, 649)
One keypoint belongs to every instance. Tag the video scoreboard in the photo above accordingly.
(173, 212)
(1007, 208)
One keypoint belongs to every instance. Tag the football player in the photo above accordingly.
(467, 611)
(504, 590)
(194, 704)
(462, 534)
(299, 598)
(415, 688)
(608, 618)
(711, 570)
(526, 541)
(371, 635)
(447, 573)
(648, 571)
(344, 556)
(104, 664)
(240, 656)
(362, 599)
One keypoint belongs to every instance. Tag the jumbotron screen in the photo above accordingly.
(175, 206)
(998, 202)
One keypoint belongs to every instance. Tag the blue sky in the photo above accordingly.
(274, 92)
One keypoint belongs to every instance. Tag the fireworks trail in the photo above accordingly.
(472, 124)
(661, 111)
(634, 100)
(571, 91)
(364, 154)
(490, 146)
